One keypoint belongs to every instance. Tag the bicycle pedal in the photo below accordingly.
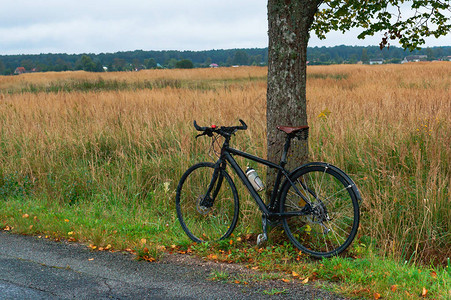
(261, 239)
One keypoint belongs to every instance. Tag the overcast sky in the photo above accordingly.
(95, 26)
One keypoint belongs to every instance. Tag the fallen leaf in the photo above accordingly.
(424, 292)
(231, 242)
(237, 281)
(314, 276)
(90, 259)
(294, 274)
(70, 233)
(25, 216)
(101, 248)
(285, 280)
(146, 250)
(143, 241)
(148, 258)
(305, 280)
(357, 292)
(254, 268)
(394, 288)
(335, 278)
(434, 274)
(66, 220)
(238, 239)
(31, 227)
(377, 296)
(108, 247)
(212, 256)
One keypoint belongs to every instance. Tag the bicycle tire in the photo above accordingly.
(202, 223)
(331, 225)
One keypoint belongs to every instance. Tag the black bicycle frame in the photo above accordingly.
(271, 210)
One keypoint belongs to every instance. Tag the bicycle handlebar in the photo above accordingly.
(223, 130)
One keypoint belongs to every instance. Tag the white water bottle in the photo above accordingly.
(255, 179)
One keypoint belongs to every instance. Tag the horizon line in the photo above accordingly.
(205, 50)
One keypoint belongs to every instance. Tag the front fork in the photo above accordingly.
(214, 186)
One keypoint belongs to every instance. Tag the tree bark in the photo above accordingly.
(289, 23)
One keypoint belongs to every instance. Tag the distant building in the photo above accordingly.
(414, 58)
(214, 65)
(20, 70)
(376, 61)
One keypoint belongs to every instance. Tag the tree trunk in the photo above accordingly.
(289, 25)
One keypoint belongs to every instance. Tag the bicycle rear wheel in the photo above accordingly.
(206, 220)
(331, 223)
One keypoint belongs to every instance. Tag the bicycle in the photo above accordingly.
(317, 203)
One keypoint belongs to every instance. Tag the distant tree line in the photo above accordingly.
(354, 54)
(139, 59)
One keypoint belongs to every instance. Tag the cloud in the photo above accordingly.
(86, 26)
(102, 26)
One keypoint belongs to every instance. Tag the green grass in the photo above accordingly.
(100, 84)
(73, 206)
(275, 291)
(359, 274)
(338, 76)
(104, 173)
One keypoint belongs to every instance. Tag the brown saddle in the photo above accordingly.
(292, 130)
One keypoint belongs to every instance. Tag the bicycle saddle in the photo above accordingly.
(290, 130)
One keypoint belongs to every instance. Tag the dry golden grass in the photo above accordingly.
(388, 126)
(8, 82)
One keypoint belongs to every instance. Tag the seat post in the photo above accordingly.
(286, 147)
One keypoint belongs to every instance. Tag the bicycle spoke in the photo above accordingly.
(343, 189)
(206, 219)
(331, 223)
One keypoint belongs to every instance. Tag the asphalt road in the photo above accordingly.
(33, 268)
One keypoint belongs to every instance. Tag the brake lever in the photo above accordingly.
(209, 133)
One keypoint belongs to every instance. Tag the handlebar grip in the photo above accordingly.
(244, 126)
(198, 128)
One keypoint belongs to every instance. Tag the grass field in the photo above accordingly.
(96, 157)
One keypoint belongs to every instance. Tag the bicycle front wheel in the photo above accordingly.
(206, 220)
(329, 225)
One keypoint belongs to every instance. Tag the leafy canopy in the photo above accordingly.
(408, 21)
